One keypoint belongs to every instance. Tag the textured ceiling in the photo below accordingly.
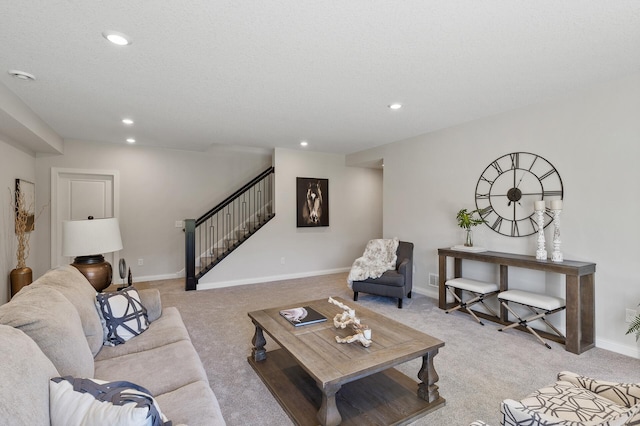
(272, 73)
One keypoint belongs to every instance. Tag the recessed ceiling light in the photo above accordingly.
(304, 143)
(117, 38)
(395, 106)
(21, 75)
(131, 140)
(127, 121)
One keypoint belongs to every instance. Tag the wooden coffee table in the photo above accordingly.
(316, 379)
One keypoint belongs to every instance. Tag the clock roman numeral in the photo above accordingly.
(490, 182)
(515, 160)
(533, 162)
(546, 175)
(496, 166)
(497, 223)
(552, 193)
(482, 196)
(515, 232)
(534, 224)
(485, 212)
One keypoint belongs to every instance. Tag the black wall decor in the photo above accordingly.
(508, 188)
(312, 202)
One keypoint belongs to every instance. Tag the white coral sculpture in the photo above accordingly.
(348, 318)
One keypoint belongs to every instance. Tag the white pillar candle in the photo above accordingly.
(538, 205)
(556, 205)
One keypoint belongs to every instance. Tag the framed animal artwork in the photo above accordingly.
(312, 197)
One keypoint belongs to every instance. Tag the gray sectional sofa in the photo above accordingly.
(52, 328)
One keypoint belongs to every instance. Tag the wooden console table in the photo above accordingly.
(579, 288)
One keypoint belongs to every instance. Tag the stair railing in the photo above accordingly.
(211, 237)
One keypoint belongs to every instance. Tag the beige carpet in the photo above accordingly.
(478, 366)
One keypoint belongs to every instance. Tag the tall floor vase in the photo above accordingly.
(20, 277)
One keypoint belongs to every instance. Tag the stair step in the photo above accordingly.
(207, 262)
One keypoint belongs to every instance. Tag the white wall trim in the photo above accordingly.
(428, 291)
(145, 278)
(208, 286)
(632, 351)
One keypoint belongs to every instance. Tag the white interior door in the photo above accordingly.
(78, 194)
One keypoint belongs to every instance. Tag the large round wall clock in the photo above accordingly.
(508, 187)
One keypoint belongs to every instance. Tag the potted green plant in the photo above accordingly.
(634, 327)
(466, 221)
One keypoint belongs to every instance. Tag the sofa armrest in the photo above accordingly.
(625, 394)
(150, 299)
(402, 267)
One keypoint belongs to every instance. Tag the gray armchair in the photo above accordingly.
(396, 283)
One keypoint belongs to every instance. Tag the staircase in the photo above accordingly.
(212, 237)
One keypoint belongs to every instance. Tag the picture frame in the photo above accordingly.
(312, 202)
(25, 200)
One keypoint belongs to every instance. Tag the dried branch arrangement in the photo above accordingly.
(24, 224)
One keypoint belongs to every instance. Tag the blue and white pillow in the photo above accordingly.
(124, 315)
(92, 402)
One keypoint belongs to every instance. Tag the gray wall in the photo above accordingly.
(355, 196)
(160, 186)
(593, 140)
(157, 187)
(14, 164)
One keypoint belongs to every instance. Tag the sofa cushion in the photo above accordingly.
(46, 316)
(25, 373)
(76, 288)
(86, 402)
(124, 315)
(389, 278)
(194, 404)
(150, 298)
(169, 328)
(162, 369)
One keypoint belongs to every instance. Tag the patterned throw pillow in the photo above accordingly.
(124, 315)
(91, 402)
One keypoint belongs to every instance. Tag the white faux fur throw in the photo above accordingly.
(379, 256)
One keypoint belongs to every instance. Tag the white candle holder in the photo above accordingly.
(556, 256)
(541, 253)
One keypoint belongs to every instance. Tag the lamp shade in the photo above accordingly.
(90, 237)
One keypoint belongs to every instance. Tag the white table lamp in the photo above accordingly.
(87, 241)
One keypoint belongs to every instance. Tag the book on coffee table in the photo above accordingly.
(302, 316)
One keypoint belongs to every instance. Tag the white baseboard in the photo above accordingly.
(427, 290)
(256, 280)
(156, 277)
(632, 351)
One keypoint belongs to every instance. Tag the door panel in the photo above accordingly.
(76, 195)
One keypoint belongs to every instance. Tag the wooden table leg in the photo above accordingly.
(580, 313)
(504, 286)
(427, 389)
(588, 302)
(442, 291)
(258, 352)
(328, 415)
